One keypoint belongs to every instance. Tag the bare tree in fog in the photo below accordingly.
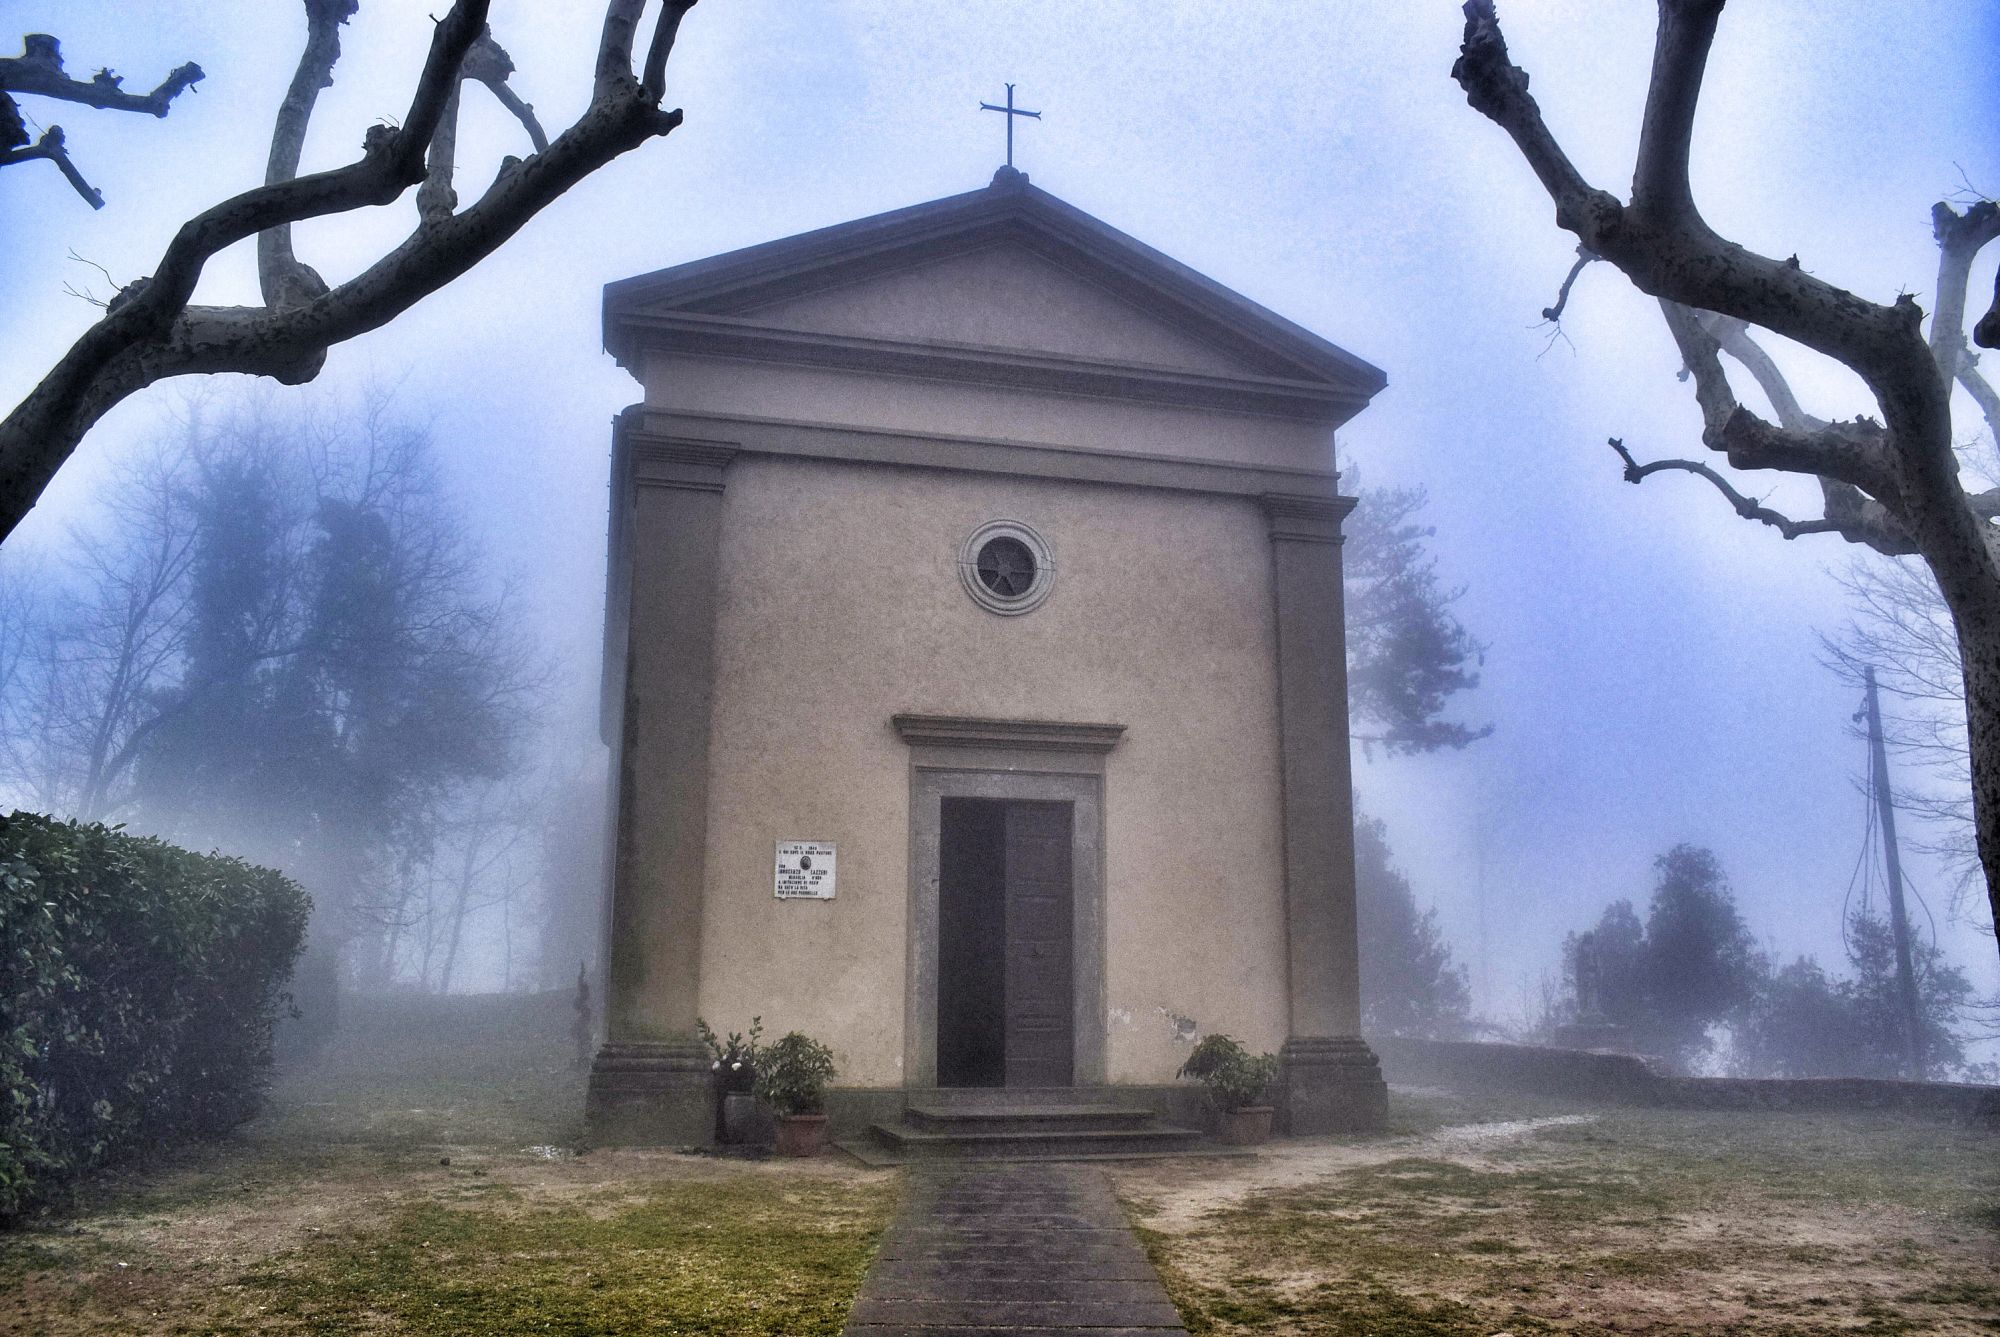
(1902, 628)
(284, 643)
(1892, 484)
(152, 330)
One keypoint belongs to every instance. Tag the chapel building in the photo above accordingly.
(975, 671)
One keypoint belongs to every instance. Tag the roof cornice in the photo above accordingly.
(697, 335)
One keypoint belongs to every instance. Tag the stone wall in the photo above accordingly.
(1592, 1075)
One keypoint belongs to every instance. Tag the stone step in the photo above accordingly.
(917, 1143)
(1025, 1118)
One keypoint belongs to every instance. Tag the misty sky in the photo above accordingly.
(1654, 668)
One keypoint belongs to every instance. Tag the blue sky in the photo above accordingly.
(1654, 669)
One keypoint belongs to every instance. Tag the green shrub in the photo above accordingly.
(1234, 1077)
(138, 985)
(792, 1075)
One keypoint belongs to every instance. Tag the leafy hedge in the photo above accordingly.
(138, 985)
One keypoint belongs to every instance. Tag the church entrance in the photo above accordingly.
(1006, 990)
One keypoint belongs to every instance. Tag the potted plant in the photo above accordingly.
(1237, 1082)
(739, 1119)
(791, 1078)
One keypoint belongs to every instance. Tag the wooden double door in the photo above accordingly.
(1006, 933)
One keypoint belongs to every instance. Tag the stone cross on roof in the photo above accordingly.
(1011, 112)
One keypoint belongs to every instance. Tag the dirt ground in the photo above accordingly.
(1495, 1216)
(422, 1177)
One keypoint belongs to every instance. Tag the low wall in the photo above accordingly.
(1582, 1074)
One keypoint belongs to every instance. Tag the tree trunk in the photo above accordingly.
(1979, 651)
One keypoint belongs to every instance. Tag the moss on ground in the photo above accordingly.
(421, 1178)
(1640, 1220)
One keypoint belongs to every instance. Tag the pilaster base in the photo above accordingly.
(1330, 1085)
(660, 1094)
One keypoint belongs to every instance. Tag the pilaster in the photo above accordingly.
(650, 1082)
(1331, 1080)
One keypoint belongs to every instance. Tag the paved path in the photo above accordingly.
(1023, 1250)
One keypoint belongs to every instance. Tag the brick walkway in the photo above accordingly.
(1024, 1250)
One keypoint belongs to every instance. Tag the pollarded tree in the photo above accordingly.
(152, 329)
(1891, 484)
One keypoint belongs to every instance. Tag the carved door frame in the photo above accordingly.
(1032, 760)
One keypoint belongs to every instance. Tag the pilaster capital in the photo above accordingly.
(1305, 519)
(660, 459)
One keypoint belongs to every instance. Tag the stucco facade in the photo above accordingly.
(792, 652)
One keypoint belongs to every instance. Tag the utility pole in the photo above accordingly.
(1899, 921)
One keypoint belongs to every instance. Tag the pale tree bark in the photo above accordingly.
(1891, 484)
(152, 330)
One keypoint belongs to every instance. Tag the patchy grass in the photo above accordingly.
(421, 1178)
(1633, 1220)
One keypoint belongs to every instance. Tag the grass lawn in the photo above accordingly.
(420, 1179)
(1486, 1217)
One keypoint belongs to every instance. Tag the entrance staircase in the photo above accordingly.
(1059, 1124)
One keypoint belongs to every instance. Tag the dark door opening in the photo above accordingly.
(1005, 926)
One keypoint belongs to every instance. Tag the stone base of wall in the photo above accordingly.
(1330, 1085)
(651, 1095)
(1631, 1080)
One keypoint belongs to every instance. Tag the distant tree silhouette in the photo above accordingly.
(1409, 983)
(1692, 966)
(1407, 652)
(1805, 1023)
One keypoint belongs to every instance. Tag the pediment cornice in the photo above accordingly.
(698, 335)
(1289, 370)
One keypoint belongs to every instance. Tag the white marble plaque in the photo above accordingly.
(805, 870)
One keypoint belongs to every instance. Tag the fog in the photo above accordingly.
(1654, 670)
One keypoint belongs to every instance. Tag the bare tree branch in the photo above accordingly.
(1732, 336)
(150, 331)
(50, 146)
(38, 70)
(1667, 251)
(283, 280)
(1555, 313)
(487, 63)
(1960, 237)
(1660, 191)
(1893, 484)
(1987, 332)
(1746, 507)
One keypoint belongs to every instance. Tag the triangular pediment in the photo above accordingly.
(1010, 295)
(1007, 282)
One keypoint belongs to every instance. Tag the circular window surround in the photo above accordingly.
(1038, 588)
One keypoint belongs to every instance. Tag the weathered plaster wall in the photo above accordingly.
(840, 606)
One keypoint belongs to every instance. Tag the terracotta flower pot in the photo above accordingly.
(1248, 1126)
(801, 1134)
